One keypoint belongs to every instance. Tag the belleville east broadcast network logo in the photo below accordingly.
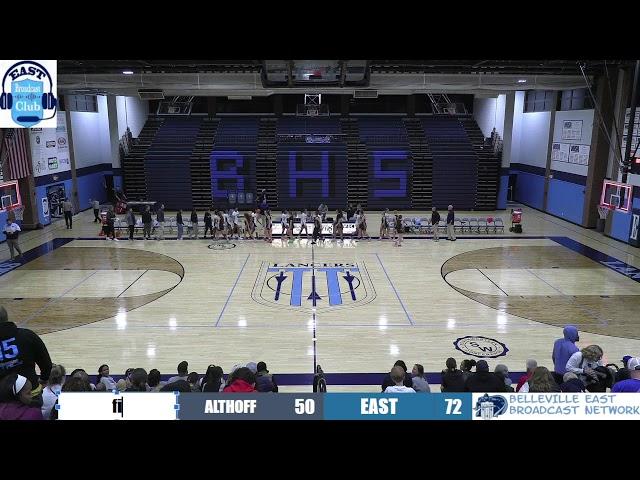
(29, 90)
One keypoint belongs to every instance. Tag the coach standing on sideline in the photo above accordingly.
(22, 349)
(451, 235)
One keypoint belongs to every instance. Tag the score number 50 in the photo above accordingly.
(304, 406)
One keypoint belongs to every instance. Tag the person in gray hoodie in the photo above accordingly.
(419, 382)
(131, 222)
(563, 348)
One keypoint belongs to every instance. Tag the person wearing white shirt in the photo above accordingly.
(397, 376)
(303, 224)
(11, 230)
(52, 390)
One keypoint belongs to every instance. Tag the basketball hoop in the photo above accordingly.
(603, 211)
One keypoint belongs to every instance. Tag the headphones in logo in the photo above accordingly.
(49, 101)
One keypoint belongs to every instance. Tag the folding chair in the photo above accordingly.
(473, 224)
(499, 224)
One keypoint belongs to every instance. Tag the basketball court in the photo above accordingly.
(152, 304)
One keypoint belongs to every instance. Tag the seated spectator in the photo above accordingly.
(153, 380)
(183, 372)
(101, 387)
(253, 366)
(452, 378)
(52, 390)
(192, 378)
(531, 366)
(466, 366)
(15, 399)
(397, 375)
(541, 381)
(388, 382)
(138, 381)
(103, 377)
(571, 383)
(632, 384)
(213, 380)
(121, 385)
(82, 374)
(264, 380)
(181, 386)
(419, 382)
(484, 380)
(242, 380)
(230, 376)
(584, 362)
(503, 373)
(623, 373)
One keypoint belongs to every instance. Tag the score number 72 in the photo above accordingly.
(454, 406)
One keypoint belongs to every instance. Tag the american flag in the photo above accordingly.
(14, 153)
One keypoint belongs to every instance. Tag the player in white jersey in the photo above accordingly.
(235, 222)
(303, 224)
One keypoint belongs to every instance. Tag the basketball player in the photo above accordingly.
(268, 224)
(303, 223)
(317, 228)
(338, 226)
(362, 225)
(399, 227)
(290, 219)
(384, 224)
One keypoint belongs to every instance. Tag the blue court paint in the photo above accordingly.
(296, 287)
(396, 291)
(34, 253)
(332, 284)
(232, 289)
(608, 261)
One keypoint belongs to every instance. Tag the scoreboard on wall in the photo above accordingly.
(347, 406)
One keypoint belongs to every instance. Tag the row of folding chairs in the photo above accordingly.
(462, 225)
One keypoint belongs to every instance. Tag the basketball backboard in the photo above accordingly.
(616, 195)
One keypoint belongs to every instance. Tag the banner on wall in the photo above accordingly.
(634, 232)
(50, 149)
(572, 130)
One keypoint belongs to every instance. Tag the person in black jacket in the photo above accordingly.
(194, 224)
(21, 351)
(208, 223)
(435, 221)
(452, 378)
(147, 223)
(408, 381)
(180, 224)
(484, 380)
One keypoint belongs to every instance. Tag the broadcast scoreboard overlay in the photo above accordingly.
(348, 406)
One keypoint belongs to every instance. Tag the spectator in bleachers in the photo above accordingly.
(183, 372)
(213, 380)
(484, 380)
(451, 217)
(623, 373)
(571, 383)
(541, 381)
(418, 380)
(121, 385)
(398, 376)
(242, 380)
(253, 366)
(264, 380)
(452, 378)
(15, 399)
(466, 365)
(502, 371)
(531, 366)
(138, 381)
(388, 381)
(81, 374)
(194, 224)
(153, 380)
(131, 222)
(632, 384)
(147, 223)
(22, 350)
(52, 390)
(584, 362)
(181, 386)
(180, 224)
(192, 378)
(208, 223)
(104, 378)
(77, 384)
(435, 222)
(563, 348)
(160, 220)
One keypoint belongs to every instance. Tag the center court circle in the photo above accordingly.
(221, 246)
(481, 347)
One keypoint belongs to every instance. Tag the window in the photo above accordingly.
(538, 101)
(577, 99)
(81, 103)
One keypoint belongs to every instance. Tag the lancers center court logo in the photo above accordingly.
(480, 347)
(28, 93)
(329, 285)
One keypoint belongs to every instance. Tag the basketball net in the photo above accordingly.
(603, 211)
(15, 212)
